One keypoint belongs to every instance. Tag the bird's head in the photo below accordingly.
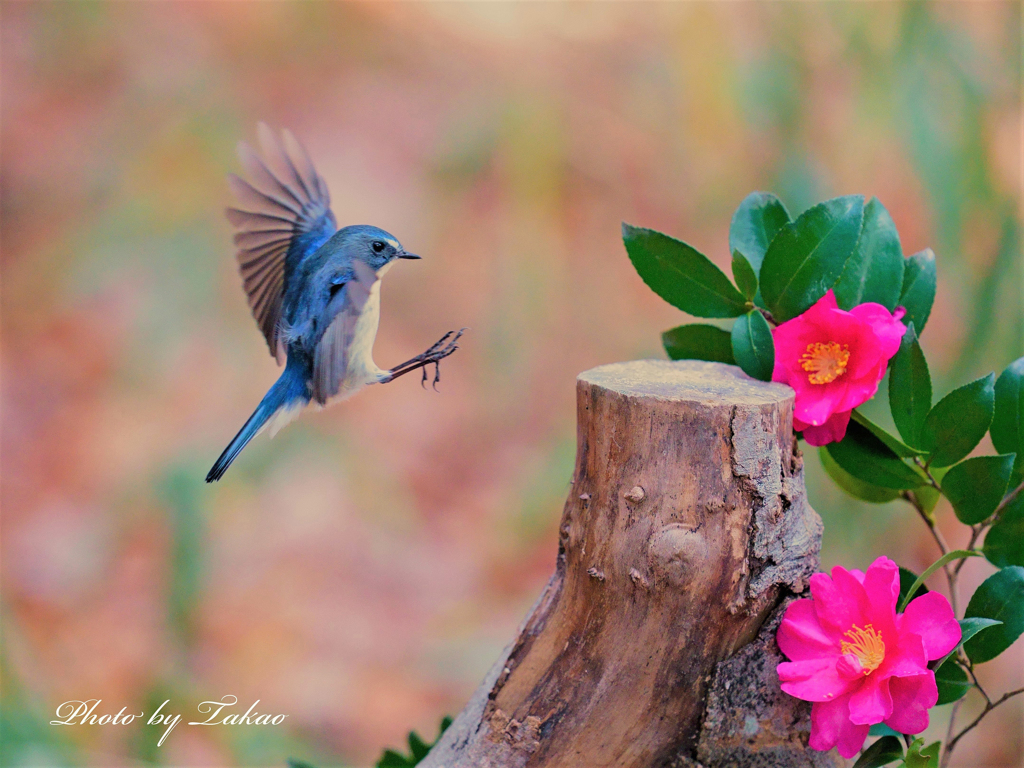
(374, 246)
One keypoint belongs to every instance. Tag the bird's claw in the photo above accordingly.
(437, 352)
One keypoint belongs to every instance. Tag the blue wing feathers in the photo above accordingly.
(284, 216)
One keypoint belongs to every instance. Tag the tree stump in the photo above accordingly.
(685, 528)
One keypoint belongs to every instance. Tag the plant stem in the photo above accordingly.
(970, 670)
(975, 533)
(1007, 500)
(950, 729)
(943, 547)
(989, 706)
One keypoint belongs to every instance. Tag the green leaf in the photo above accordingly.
(958, 422)
(968, 629)
(918, 288)
(418, 749)
(391, 759)
(927, 497)
(417, 746)
(875, 270)
(744, 275)
(856, 488)
(976, 486)
(869, 459)
(910, 388)
(952, 682)
(1004, 542)
(901, 449)
(698, 341)
(754, 225)
(949, 557)
(681, 275)
(294, 763)
(1007, 429)
(920, 756)
(907, 580)
(808, 255)
(881, 729)
(1000, 597)
(882, 752)
(752, 345)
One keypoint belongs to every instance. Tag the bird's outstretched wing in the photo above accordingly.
(333, 352)
(284, 214)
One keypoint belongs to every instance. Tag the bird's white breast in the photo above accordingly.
(361, 369)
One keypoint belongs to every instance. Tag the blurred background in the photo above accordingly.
(361, 571)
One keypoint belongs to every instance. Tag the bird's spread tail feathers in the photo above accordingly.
(285, 398)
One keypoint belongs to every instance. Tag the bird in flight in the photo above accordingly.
(313, 289)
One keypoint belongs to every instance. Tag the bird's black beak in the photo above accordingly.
(407, 255)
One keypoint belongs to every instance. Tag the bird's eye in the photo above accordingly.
(378, 246)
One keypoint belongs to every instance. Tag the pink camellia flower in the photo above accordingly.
(859, 661)
(834, 360)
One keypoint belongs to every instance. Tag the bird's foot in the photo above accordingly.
(437, 352)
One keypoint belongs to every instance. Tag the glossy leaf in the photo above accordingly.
(976, 486)
(918, 292)
(856, 488)
(927, 497)
(417, 747)
(884, 751)
(875, 270)
(1004, 542)
(910, 388)
(1007, 428)
(949, 557)
(698, 341)
(952, 682)
(881, 729)
(808, 255)
(1000, 597)
(682, 275)
(958, 422)
(897, 446)
(907, 580)
(869, 459)
(752, 345)
(968, 629)
(744, 275)
(920, 756)
(754, 225)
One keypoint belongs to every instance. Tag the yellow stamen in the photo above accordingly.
(826, 362)
(866, 645)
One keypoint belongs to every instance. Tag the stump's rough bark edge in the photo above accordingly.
(780, 539)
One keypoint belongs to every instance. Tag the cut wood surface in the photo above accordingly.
(686, 525)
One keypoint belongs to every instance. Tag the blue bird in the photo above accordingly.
(313, 289)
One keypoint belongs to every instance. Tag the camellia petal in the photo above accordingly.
(931, 617)
(836, 609)
(813, 679)
(827, 722)
(831, 431)
(800, 635)
(912, 697)
(882, 587)
(831, 727)
(834, 360)
(857, 660)
(871, 702)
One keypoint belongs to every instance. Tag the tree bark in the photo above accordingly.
(685, 528)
